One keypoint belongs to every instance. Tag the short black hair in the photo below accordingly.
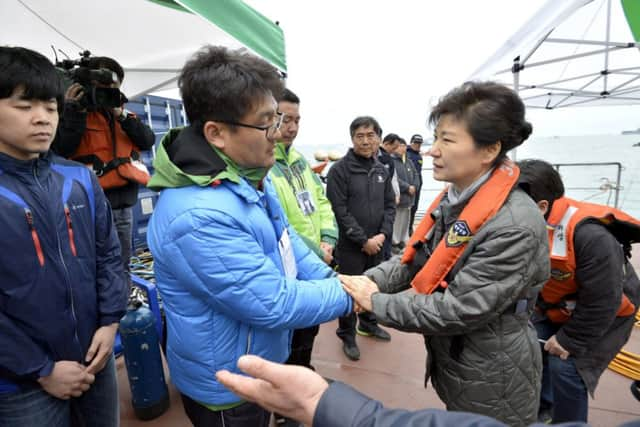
(29, 71)
(289, 96)
(366, 121)
(218, 83)
(540, 180)
(390, 138)
(491, 112)
(110, 64)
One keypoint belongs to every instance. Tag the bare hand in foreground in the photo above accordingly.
(554, 347)
(68, 379)
(292, 391)
(101, 348)
(361, 288)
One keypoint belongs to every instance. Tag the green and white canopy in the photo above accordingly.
(152, 39)
(573, 53)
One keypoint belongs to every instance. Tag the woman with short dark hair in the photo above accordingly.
(476, 262)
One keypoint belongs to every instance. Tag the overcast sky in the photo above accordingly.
(393, 59)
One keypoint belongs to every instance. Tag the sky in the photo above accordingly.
(394, 59)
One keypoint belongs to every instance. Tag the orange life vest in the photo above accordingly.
(556, 295)
(109, 152)
(484, 204)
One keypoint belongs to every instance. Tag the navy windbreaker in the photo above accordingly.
(60, 271)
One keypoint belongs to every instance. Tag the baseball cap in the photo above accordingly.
(416, 139)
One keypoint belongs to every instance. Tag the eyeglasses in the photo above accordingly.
(270, 130)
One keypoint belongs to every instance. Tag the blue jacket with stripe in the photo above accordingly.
(61, 276)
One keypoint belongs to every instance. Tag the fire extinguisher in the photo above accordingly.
(141, 347)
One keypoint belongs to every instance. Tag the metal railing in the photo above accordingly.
(607, 187)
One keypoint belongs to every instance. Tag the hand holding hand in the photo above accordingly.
(101, 348)
(554, 347)
(361, 288)
(68, 379)
(290, 390)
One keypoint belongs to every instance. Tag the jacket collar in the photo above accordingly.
(26, 168)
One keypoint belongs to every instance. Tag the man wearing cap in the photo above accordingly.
(413, 153)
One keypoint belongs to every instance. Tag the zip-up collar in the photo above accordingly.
(25, 169)
(359, 164)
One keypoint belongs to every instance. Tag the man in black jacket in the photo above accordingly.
(583, 332)
(96, 136)
(414, 154)
(360, 192)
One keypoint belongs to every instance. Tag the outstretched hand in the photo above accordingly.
(292, 391)
(361, 288)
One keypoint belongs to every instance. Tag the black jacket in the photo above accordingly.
(593, 334)
(73, 125)
(362, 199)
(407, 176)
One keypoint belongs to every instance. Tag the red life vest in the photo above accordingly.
(484, 204)
(565, 215)
(109, 154)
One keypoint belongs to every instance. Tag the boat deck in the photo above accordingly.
(393, 372)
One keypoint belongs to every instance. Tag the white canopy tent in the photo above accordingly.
(572, 53)
(151, 40)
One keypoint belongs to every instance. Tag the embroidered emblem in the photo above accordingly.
(459, 234)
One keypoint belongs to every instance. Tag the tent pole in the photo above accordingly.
(516, 87)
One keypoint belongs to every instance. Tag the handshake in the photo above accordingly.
(361, 289)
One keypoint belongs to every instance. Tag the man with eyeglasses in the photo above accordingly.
(363, 201)
(234, 277)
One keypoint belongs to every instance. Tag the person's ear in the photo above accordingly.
(213, 133)
(543, 205)
(491, 152)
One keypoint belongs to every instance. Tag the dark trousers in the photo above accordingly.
(413, 211)
(302, 346)
(356, 262)
(563, 390)
(35, 407)
(246, 415)
(123, 220)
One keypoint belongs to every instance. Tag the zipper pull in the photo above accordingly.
(34, 236)
(67, 214)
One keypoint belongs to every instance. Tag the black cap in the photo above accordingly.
(416, 139)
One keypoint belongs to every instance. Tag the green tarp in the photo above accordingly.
(241, 22)
(632, 12)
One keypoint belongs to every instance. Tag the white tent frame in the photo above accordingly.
(559, 95)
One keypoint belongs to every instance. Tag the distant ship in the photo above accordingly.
(631, 132)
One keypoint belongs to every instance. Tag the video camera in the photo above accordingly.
(81, 71)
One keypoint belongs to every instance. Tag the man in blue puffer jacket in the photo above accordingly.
(62, 284)
(234, 277)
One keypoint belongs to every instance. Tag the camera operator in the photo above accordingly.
(108, 140)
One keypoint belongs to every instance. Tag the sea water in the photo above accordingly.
(596, 182)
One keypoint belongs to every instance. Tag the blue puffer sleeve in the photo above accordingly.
(221, 262)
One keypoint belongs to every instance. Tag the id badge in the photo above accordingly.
(305, 202)
(287, 255)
